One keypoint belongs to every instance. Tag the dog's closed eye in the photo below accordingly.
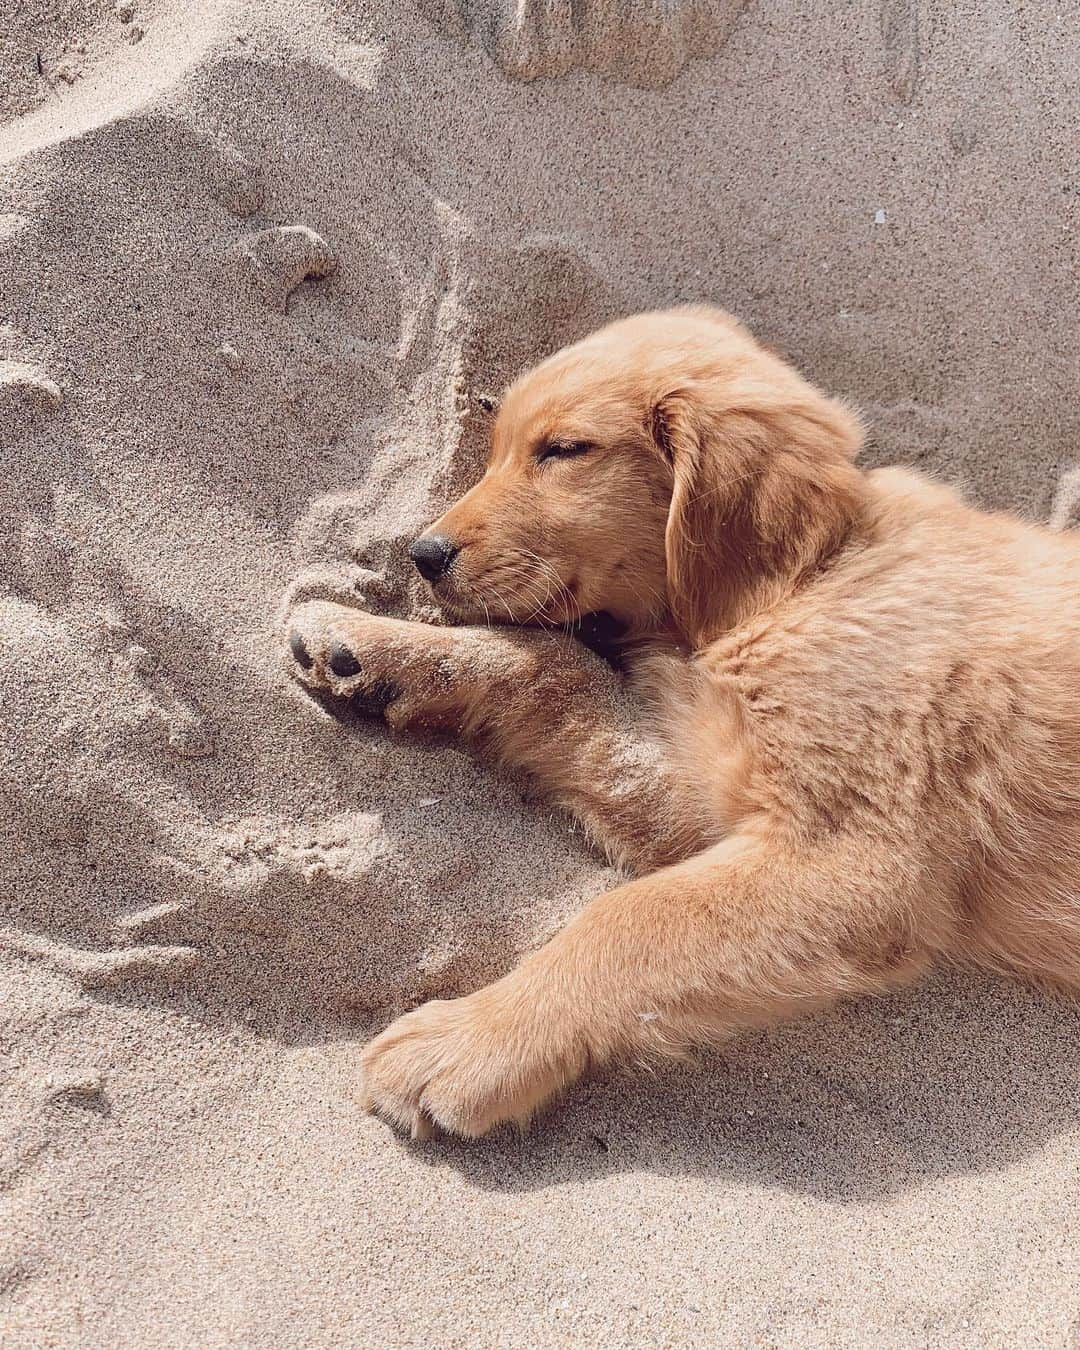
(561, 450)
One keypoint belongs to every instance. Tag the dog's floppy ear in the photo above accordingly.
(763, 491)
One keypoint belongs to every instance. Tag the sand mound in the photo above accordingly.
(263, 271)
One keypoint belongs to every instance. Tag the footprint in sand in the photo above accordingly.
(642, 42)
(180, 723)
(278, 260)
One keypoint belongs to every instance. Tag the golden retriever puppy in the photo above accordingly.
(844, 740)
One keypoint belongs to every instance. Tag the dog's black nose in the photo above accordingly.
(433, 554)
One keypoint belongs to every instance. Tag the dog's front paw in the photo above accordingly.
(465, 1065)
(385, 667)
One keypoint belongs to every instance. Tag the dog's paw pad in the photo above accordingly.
(301, 655)
(342, 662)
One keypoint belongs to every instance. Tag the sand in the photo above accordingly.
(263, 268)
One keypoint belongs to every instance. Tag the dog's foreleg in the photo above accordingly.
(746, 934)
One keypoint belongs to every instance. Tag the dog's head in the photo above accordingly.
(666, 469)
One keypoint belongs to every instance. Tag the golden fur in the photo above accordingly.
(845, 741)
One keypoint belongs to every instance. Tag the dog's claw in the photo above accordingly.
(342, 662)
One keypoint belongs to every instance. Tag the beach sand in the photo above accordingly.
(263, 268)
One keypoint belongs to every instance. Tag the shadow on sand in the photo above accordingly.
(961, 1075)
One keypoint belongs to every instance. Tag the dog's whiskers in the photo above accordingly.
(522, 575)
(549, 570)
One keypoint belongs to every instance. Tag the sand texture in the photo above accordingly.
(263, 268)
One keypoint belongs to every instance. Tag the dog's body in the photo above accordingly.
(846, 740)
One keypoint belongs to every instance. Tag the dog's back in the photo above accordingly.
(927, 688)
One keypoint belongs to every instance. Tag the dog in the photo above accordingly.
(842, 742)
